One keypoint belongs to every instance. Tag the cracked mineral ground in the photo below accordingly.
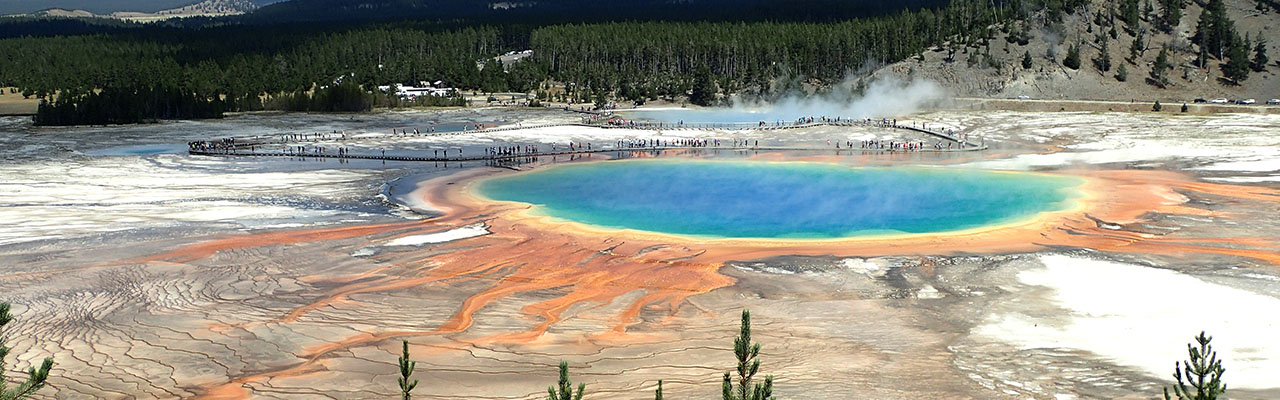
(150, 273)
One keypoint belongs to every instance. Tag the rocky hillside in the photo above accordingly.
(996, 69)
(213, 7)
(203, 8)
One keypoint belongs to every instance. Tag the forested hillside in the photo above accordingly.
(544, 12)
(1169, 50)
(237, 67)
(667, 58)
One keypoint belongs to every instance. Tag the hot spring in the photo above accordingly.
(742, 199)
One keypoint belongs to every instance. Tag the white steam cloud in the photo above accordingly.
(886, 96)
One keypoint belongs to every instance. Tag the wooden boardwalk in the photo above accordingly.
(499, 157)
(240, 144)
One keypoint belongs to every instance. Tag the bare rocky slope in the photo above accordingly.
(202, 8)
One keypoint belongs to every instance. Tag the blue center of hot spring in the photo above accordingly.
(741, 199)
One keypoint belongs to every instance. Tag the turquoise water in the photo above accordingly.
(740, 199)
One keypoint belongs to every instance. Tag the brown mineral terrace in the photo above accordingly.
(552, 266)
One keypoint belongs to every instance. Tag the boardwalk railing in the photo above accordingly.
(498, 157)
(237, 146)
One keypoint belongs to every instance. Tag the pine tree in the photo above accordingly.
(1024, 35)
(565, 386)
(1122, 73)
(35, 377)
(1260, 54)
(1137, 48)
(1237, 67)
(1130, 14)
(1203, 371)
(1026, 59)
(1156, 107)
(493, 78)
(657, 394)
(1215, 30)
(1204, 27)
(1073, 57)
(1161, 66)
(748, 365)
(406, 369)
(1184, 107)
(1171, 14)
(704, 88)
(1104, 57)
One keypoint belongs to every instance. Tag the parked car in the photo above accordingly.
(1218, 101)
(1024, 97)
(1273, 102)
(1246, 101)
(1200, 100)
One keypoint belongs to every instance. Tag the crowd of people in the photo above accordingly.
(231, 145)
(224, 145)
(892, 145)
(315, 150)
(631, 123)
(505, 151)
(313, 137)
(659, 143)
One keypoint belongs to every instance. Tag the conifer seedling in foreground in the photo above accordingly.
(748, 365)
(35, 377)
(1200, 377)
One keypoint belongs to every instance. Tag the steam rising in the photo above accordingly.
(886, 96)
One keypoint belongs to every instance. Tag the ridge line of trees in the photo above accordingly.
(153, 72)
(150, 72)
